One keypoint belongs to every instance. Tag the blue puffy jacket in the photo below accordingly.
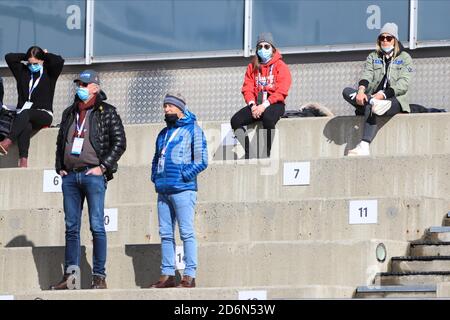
(186, 156)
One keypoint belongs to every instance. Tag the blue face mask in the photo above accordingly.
(387, 49)
(265, 54)
(34, 67)
(83, 94)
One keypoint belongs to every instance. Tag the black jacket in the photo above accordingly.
(106, 134)
(42, 96)
(1, 91)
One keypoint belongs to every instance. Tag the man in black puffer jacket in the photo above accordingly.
(90, 141)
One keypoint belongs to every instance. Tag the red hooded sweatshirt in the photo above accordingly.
(277, 85)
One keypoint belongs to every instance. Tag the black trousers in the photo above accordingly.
(24, 123)
(269, 118)
(1, 91)
(370, 124)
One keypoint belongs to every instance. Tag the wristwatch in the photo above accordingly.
(102, 166)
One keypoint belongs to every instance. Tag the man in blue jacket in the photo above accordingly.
(180, 155)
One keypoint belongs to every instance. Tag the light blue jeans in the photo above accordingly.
(172, 208)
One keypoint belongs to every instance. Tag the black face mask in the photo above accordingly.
(171, 118)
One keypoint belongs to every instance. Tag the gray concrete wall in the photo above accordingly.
(221, 264)
(296, 139)
(402, 219)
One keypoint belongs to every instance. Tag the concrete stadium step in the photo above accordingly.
(296, 139)
(420, 264)
(438, 234)
(247, 181)
(240, 264)
(272, 293)
(412, 278)
(409, 292)
(310, 219)
(430, 248)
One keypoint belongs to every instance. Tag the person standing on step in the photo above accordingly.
(266, 85)
(90, 142)
(383, 88)
(36, 83)
(180, 155)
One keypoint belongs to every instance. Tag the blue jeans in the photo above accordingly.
(76, 187)
(171, 208)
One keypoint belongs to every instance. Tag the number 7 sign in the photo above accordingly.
(296, 173)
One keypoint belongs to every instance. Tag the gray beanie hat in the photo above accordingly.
(390, 28)
(265, 37)
(176, 99)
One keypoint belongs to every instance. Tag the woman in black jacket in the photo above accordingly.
(36, 83)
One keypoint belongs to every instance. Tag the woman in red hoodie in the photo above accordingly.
(266, 85)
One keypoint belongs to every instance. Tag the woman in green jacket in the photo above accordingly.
(383, 88)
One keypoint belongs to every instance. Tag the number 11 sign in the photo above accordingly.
(363, 212)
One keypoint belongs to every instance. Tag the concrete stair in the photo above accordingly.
(314, 219)
(418, 274)
(254, 233)
(429, 248)
(420, 264)
(219, 293)
(247, 264)
(262, 180)
(405, 291)
(296, 139)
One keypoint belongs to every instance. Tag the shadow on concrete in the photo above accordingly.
(146, 263)
(257, 145)
(348, 130)
(49, 263)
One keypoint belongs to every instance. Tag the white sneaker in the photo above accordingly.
(362, 149)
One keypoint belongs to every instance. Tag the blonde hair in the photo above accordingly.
(396, 48)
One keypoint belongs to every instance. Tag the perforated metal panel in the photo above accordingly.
(213, 93)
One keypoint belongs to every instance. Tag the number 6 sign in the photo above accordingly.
(51, 181)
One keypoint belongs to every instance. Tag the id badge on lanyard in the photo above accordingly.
(31, 86)
(161, 161)
(77, 146)
(162, 157)
(262, 95)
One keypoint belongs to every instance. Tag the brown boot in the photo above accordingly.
(164, 282)
(62, 285)
(4, 146)
(187, 282)
(23, 162)
(98, 282)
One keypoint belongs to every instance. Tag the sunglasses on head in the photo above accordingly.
(387, 38)
(266, 46)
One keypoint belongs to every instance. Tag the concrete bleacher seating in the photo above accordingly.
(254, 233)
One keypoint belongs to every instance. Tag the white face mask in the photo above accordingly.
(387, 49)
